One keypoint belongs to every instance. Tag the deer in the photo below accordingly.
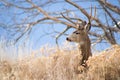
(81, 37)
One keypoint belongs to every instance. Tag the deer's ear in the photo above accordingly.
(84, 23)
(87, 27)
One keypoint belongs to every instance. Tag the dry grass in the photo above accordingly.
(63, 65)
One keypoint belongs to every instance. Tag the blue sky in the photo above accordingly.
(38, 35)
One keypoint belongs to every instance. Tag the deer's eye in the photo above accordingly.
(77, 33)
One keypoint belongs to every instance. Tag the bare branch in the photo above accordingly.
(23, 33)
(50, 17)
(11, 4)
(80, 8)
(111, 16)
(110, 6)
(61, 35)
(95, 34)
(33, 13)
(68, 19)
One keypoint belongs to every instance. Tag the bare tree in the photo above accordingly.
(29, 13)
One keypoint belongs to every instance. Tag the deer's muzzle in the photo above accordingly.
(68, 39)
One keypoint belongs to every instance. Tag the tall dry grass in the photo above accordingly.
(63, 65)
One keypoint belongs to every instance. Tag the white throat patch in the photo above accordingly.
(81, 43)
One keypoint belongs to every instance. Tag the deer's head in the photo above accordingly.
(81, 34)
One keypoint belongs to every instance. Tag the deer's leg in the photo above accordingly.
(84, 59)
(90, 54)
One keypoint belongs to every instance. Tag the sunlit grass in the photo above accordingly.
(48, 63)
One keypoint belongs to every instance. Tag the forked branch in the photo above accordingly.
(111, 16)
(110, 6)
(50, 17)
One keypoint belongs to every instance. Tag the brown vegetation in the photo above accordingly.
(62, 65)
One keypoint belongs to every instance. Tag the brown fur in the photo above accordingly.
(81, 36)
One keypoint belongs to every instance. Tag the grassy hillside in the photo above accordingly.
(63, 65)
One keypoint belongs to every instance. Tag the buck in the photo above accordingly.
(81, 36)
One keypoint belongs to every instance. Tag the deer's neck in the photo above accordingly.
(86, 47)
